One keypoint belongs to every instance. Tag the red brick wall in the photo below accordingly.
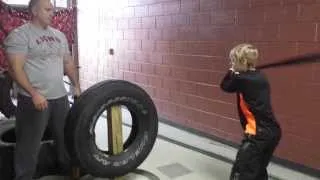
(177, 50)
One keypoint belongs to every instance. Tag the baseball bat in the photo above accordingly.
(300, 59)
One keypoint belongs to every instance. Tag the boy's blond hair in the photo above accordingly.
(245, 54)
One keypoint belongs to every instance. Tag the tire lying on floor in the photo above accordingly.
(83, 116)
(47, 156)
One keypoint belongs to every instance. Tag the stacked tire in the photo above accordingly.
(47, 164)
(80, 137)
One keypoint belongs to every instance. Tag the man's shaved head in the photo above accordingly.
(32, 4)
(41, 11)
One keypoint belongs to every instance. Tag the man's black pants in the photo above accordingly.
(30, 127)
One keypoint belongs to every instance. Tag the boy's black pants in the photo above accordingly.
(254, 155)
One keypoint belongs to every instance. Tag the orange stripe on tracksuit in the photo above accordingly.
(251, 126)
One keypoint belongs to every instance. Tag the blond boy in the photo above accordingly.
(262, 133)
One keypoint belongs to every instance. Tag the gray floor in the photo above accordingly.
(179, 155)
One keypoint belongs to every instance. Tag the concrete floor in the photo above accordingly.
(180, 155)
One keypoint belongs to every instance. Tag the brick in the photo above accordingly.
(115, 65)
(279, 14)
(211, 130)
(216, 107)
(268, 32)
(142, 79)
(303, 32)
(207, 91)
(187, 87)
(163, 70)
(110, 23)
(171, 7)
(122, 44)
(216, 77)
(134, 67)
(155, 9)
(156, 34)
(142, 56)
(119, 75)
(155, 81)
(179, 73)
(309, 12)
(128, 12)
(225, 97)
(222, 17)
(178, 97)
(207, 119)
(236, 4)
(135, 23)
(206, 5)
(200, 18)
(170, 34)
(148, 45)
(142, 34)
(148, 22)
(221, 33)
(187, 113)
(128, 56)
(150, 90)
(208, 48)
(299, 148)
(251, 16)
(273, 3)
(190, 6)
(228, 125)
(170, 109)
(188, 33)
(141, 11)
(134, 2)
(307, 47)
(182, 115)
(129, 34)
(198, 103)
(271, 52)
(159, 104)
(135, 45)
(156, 58)
(181, 19)
(225, 109)
(164, 46)
(118, 34)
(196, 62)
(315, 75)
(305, 130)
(163, 21)
(123, 24)
(171, 84)
(163, 94)
(173, 60)
(148, 68)
(182, 47)
(129, 76)
(286, 2)
(219, 64)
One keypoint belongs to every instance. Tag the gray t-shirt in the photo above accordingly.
(44, 49)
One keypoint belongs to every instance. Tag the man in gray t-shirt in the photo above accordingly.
(44, 50)
(38, 58)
